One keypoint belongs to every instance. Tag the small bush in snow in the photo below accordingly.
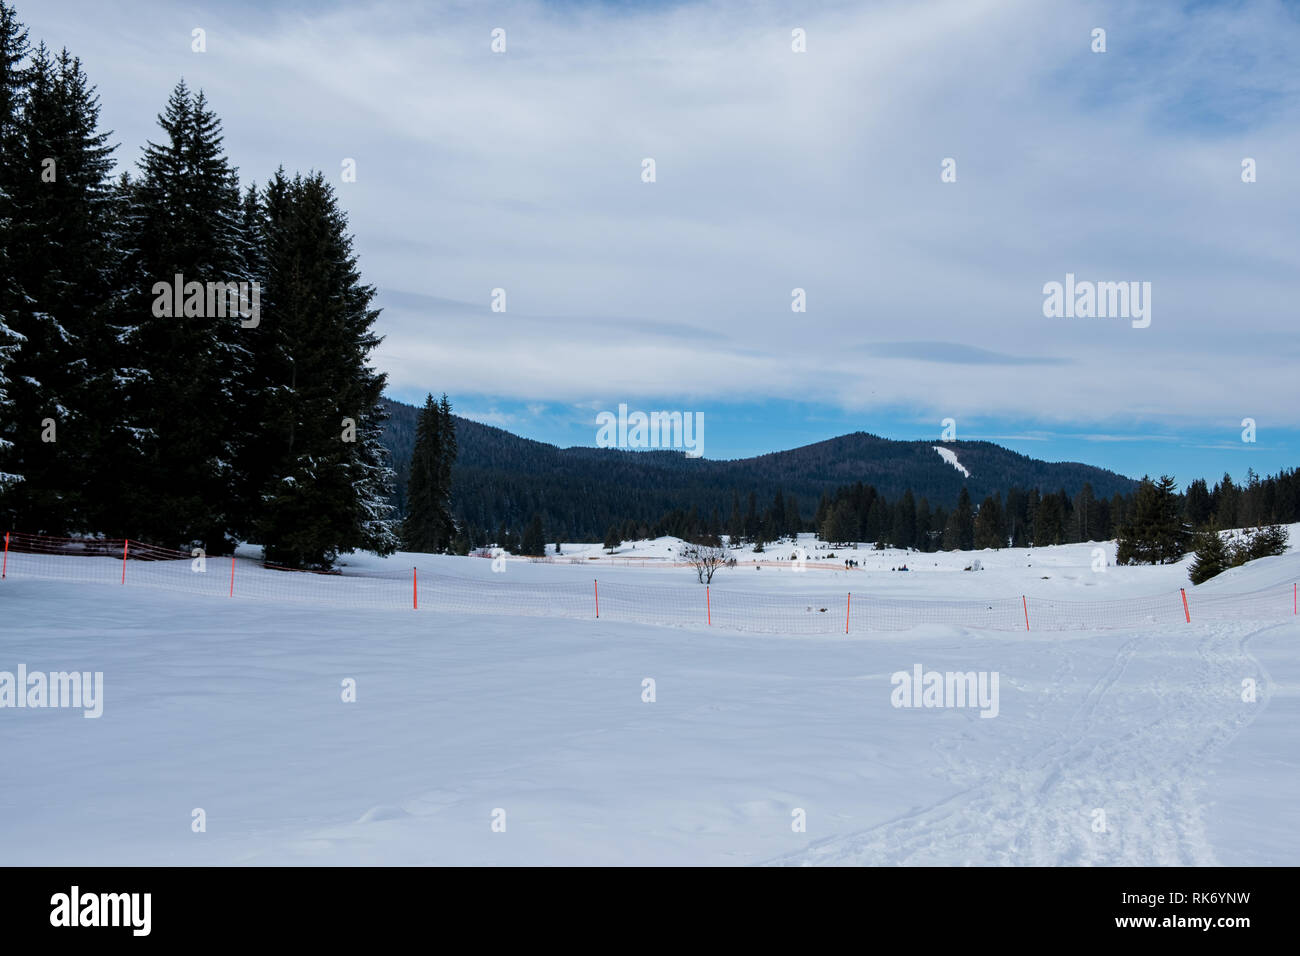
(705, 559)
(1214, 555)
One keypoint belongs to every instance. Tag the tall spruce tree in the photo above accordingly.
(876, 527)
(1153, 532)
(1212, 556)
(423, 529)
(328, 481)
(374, 479)
(254, 379)
(959, 534)
(446, 466)
(60, 262)
(13, 84)
(735, 524)
(989, 527)
(903, 531)
(793, 524)
(185, 219)
(534, 540)
(923, 522)
(1196, 503)
(1049, 521)
(1087, 516)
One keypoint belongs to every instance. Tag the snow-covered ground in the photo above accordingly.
(236, 707)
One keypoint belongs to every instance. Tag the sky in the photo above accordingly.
(777, 170)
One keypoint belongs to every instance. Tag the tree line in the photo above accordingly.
(1155, 524)
(1021, 518)
(183, 359)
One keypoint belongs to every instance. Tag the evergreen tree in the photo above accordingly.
(1224, 500)
(446, 464)
(959, 535)
(1250, 512)
(1153, 533)
(1196, 503)
(1260, 543)
(938, 528)
(1211, 556)
(903, 532)
(1117, 514)
(822, 512)
(328, 485)
(877, 523)
(13, 84)
(1067, 516)
(923, 525)
(1049, 521)
(59, 262)
(376, 530)
(256, 378)
(793, 524)
(839, 524)
(735, 524)
(612, 539)
(1270, 540)
(184, 219)
(751, 517)
(1087, 517)
(1013, 517)
(423, 530)
(776, 525)
(988, 525)
(534, 542)
(1172, 536)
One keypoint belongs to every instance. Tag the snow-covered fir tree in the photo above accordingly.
(328, 478)
(13, 81)
(59, 260)
(184, 219)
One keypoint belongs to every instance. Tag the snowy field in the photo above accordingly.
(236, 707)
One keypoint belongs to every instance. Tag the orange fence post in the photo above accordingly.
(5, 569)
(1025, 601)
(708, 605)
(1295, 603)
(596, 586)
(848, 606)
(125, 545)
(415, 590)
(232, 575)
(1186, 613)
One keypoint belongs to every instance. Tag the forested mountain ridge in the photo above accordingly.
(502, 478)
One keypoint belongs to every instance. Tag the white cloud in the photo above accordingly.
(776, 170)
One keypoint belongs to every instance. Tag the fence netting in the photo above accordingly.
(136, 564)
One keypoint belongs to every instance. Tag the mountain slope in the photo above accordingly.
(501, 477)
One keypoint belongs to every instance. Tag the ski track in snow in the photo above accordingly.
(1037, 811)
